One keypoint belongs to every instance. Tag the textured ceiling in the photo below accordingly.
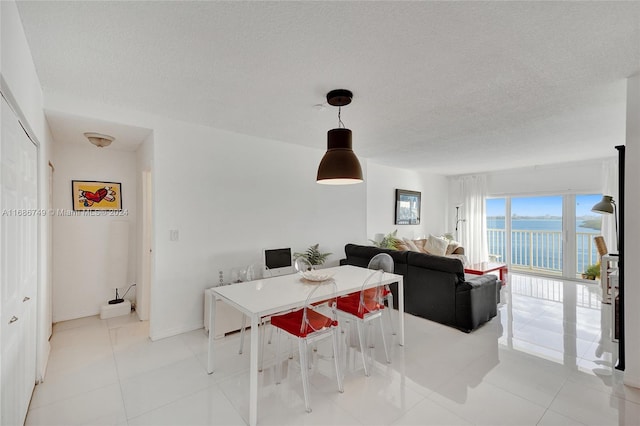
(450, 87)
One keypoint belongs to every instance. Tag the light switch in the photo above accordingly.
(174, 235)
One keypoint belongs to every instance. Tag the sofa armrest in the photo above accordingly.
(476, 301)
(481, 280)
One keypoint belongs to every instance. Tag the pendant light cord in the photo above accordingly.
(340, 123)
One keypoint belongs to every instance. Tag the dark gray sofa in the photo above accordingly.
(435, 287)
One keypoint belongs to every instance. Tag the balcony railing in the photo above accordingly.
(541, 250)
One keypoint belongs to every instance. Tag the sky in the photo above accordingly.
(542, 206)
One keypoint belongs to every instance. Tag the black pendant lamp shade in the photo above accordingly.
(339, 166)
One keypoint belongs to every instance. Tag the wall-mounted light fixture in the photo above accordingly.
(339, 166)
(98, 139)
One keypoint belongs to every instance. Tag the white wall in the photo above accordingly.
(632, 234)
(80, 244)
(579, 177)
(19, 73)
(229, 196)
(382, 182)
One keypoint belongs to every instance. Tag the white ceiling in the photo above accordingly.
(69, 129)
(450, 87)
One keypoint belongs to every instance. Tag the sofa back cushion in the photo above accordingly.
(437, 263)
(361, 255)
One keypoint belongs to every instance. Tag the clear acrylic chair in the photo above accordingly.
(308, 325)
(365, 306)
(301, 265)
(384, 261)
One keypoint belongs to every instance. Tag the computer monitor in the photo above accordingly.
(277, 262)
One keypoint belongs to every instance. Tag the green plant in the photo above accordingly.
(592, 272)
(312, 255)
(389, 241)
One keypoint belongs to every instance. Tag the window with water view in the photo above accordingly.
(533, 233)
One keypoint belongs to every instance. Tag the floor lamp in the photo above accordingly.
(608, 206)
(458, 220)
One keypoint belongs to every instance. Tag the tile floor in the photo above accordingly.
(546, 359)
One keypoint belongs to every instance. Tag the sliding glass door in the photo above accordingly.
(536, 233)
(544, 234)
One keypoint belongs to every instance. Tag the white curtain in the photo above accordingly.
(610, 187)
(473, 237)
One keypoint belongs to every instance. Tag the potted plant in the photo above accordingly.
(312, 256)
(388, 242)
(592, 272)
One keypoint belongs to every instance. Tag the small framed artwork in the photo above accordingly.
(96, 195)
(407, 207)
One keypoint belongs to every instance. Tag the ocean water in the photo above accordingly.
(524, 251)
(552, 224)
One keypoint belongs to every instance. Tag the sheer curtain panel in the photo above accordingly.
(474, 228)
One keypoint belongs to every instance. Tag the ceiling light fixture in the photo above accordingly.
(339, 166)
(99, 139)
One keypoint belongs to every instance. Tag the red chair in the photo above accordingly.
(309, 325)
(364, 306)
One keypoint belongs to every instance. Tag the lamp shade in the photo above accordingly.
(339, 166)
(605, 206)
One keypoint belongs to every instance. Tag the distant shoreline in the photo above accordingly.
(588, 222)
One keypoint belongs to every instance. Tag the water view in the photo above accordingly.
(536, 231)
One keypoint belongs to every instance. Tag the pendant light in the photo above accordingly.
(339, 166)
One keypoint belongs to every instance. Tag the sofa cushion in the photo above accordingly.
(411, 245)
(437, 263)
(361, 255)
(453, 245)
(420, 244)
(435, 245)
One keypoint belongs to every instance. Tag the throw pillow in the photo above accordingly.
(420, 244)
(401, 246)
(453, 245)
(436, 245)
(411, 245)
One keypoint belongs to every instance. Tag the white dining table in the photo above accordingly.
(268, 296)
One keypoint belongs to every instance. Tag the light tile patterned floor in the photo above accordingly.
(546, 359)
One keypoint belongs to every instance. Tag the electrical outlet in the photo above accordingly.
(174, 235)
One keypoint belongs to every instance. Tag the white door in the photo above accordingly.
(18, 268)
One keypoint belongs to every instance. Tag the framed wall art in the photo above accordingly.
(407, 207)
(96, 195)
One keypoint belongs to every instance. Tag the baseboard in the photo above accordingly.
(633, 381)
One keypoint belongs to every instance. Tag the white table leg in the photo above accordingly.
(401, 310)
(253, 372)
(212, 316)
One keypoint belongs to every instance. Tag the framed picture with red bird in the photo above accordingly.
(96, 195)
